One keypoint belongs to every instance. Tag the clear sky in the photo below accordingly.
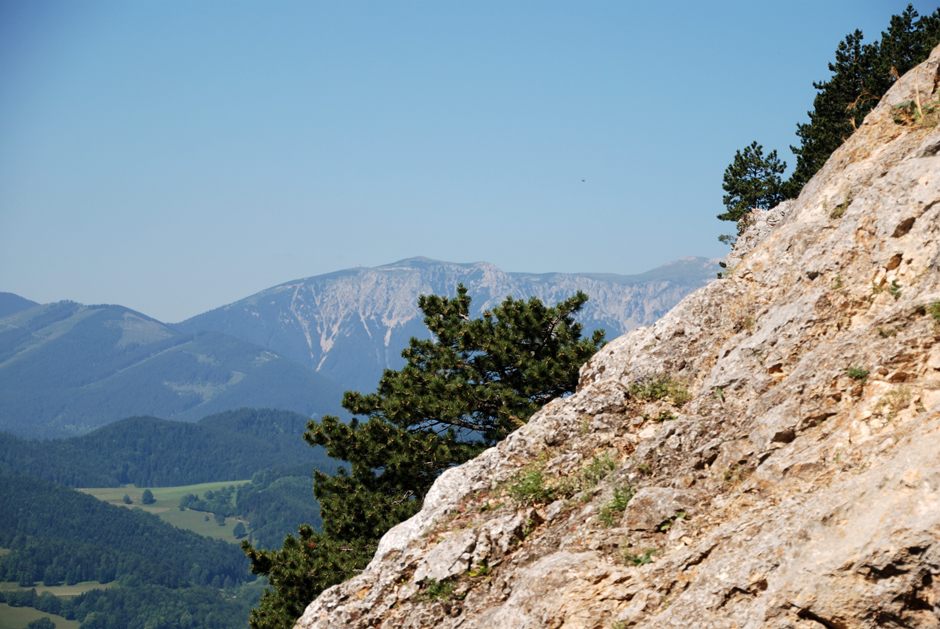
(175, 156)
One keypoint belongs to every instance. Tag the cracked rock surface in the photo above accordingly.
(786, 474)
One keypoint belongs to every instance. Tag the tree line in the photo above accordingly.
(151, 452)
(861, 74)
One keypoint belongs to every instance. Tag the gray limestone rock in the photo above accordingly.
(652, 506)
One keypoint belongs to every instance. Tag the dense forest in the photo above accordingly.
(165, 576)
(143, 607)
(34, 508)
(151, 452)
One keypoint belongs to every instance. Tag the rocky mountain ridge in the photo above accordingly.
(352, 324)
(765, 455)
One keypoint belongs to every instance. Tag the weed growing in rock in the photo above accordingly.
(436, 591)
(912, 114)
(617, 504)
(637, 559)
(894, 402)
(840, 209)
(883, 333)
(480, 571)
(934, 311)
(749, 323)
(895, 289)
(837, 283)
(530, 486)
(662, 417)
(665, 526)
(856, 373)
(653, 387)
(734, 475)
(645, 469)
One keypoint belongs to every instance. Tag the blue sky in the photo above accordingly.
(176, 156)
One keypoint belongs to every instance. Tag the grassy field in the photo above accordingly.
(58, 590)
(167, 506)
(19, 617)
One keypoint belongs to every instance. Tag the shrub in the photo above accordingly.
(530, 485)
(856, 373)
(436, 590)
(617, 504)
(653, 387)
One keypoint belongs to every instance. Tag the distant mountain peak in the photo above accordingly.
(353, 323)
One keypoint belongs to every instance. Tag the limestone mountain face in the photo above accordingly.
(798, 486)
(353, 324)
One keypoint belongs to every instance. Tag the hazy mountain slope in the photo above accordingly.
(151, 452)
(10, 304)
(66, 368)
(352, 324)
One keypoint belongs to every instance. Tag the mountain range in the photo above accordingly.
(68, 368)
(350, 325)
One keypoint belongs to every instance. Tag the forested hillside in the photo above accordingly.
(66, 369)
(55, 535)
(36, 508)
(10, 304)
(151, 452)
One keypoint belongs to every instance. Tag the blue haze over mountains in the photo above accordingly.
(68, 368)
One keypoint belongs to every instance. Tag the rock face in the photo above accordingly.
(793, 483)
(353, 324)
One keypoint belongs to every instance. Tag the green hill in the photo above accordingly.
(10, 304)
(66, 369)
(151, 452)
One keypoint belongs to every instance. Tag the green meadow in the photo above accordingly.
(19, 617)
(58, 590)
(166, 506)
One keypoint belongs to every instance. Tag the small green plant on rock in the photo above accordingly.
(894, 402)
(895, 289)
(934, 311)
(840, 209)
(436, 591)
(639, 559)
(617, 504)
(665, 526)
(856, 373)
(652, 387)
(530, 486)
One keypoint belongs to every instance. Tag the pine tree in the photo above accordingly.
(862, 73)
(751, 181)
(460, 392)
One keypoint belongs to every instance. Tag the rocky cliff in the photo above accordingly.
(353, 324)
(765, 455)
